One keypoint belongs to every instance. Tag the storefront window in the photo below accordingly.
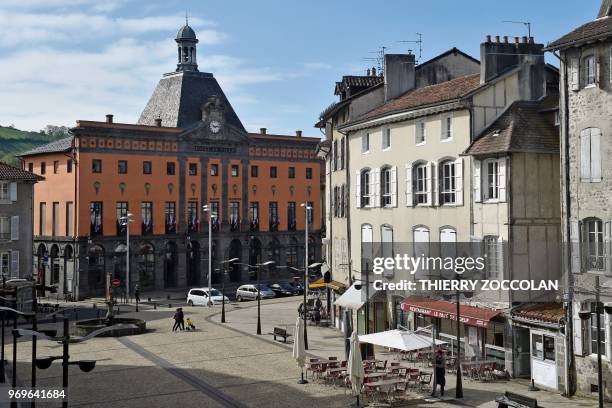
(537, 348)
(543, 347)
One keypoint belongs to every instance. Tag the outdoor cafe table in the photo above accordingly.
(375, 375)
(474, 367)
(384, 386)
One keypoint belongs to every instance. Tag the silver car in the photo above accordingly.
(249, 292)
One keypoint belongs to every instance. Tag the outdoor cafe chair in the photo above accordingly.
(400, 389)
(311, 364)
(380, 366)
(414, 379)
(425, 380)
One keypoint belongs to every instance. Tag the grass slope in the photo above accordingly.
(14, 141)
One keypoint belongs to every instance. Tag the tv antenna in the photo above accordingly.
(379, 59)
(525, 23)
(418, 41)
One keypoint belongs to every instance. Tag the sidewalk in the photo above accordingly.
(325, 342)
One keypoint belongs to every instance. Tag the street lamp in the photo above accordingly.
(585, 315)
(125, 222)
(225, 263)
(314, 265)
(259, 265)
(207, 209)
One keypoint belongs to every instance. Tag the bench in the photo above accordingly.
(513, 400)
(280, 333)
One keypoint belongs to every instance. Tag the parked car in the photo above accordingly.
(202, 296)
(299, 288)
(249, 292)
(281, 289)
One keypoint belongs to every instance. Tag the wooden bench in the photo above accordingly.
(280, 332)
(513, 400)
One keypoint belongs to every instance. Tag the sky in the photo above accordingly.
(277, 61)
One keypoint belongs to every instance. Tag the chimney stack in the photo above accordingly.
(158, 122)
(298, 133)
(109, 118)
(488, 39)
(399, 75)
(368, 72)
(262, 131)
(373, 71)
(525, 55)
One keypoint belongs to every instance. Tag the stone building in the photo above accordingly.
(585, 56)
(189, 149)
(16, 221)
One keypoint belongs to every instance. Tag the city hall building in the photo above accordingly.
(188, 149)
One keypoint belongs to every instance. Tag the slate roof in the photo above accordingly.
(357, 82)
(61, 145)
(592, 30)
(178, 99)
(542, 312)
(186, 32)
(425, 96)
(8, 172)
(522, 128)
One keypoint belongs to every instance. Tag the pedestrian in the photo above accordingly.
(137, 293)
(176, 318)
(190, 325)
(440, 372)
(181, 318)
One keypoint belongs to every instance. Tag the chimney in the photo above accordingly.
(262, 131)
(373, 71)
(499, 58)
(109, 118)
(158, 122)
(368, 72)
(505, 39)
(298, 133)
(399, 75)
(488, 39)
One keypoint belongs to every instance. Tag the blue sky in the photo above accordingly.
(64, 60)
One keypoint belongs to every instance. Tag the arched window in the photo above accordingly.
(367, 251)
(385, 187)
(421, 245)
(422, 183)
(386, 238)
(292, 258)
(593, 238)
(365, 188)
(146, 266)
(447, 179)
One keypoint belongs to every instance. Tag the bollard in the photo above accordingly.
(154, 306)
(94, 306)
(98, 313)
(169, 305)
(168, 297)
(148, 299)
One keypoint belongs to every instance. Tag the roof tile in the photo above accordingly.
(8, 172)
(591, 30)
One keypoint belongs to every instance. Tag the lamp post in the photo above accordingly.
(207, 209)
(259, 265)
(585, 315)
(305, 275)
(45, 362)
(459, 383)
(125, 221)
(225, 265)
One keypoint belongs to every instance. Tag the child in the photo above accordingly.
(190, 325)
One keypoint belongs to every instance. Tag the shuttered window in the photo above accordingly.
(590, 155)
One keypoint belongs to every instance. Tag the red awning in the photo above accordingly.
(470, 315)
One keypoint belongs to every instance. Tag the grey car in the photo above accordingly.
(249, 292)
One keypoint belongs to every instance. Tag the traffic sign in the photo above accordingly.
(116, 283)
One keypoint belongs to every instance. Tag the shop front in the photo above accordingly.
(539, 346)
(482, 329)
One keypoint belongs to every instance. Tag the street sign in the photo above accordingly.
(116, 283)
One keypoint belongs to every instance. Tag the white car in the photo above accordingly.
(249, 292)
(201, 297)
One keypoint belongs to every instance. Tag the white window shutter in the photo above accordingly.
(585, 155)
(595, 155)
(575, 246)
(500, 258)
(409, 199)
(15, 263)
(376, 189)
(429, 182)
(502, 176)
(13, 191)
(459, 181)
(608, 247)
(15, 228)
(579, 339)
(435, 183)
(476, 183)
(357, 189)
(394, 186)
(575, 68)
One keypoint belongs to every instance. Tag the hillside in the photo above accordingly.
(14, 141)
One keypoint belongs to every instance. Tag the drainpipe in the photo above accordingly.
(570, 375)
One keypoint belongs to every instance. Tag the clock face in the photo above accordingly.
(215, 126)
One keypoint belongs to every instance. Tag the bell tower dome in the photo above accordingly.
(186, 41)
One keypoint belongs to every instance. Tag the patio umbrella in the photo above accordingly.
(299, 351)
(348, 329)
(399, 339)
(355, 366)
